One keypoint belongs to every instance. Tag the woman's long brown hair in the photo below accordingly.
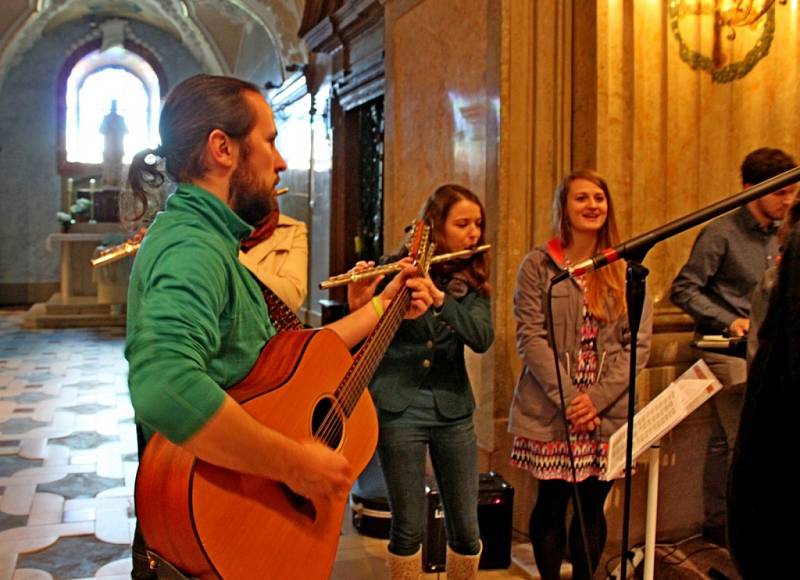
(605, 288)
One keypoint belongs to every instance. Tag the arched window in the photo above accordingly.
(89, 82)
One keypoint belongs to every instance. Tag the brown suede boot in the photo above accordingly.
(461, 567)
(405, 567)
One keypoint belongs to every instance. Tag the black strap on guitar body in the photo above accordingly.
(282, 317)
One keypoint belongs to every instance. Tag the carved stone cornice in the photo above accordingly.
(365, 84)
(353, 20)
(359, 17)
(353, 36)
(314, 12)
(323, 37)
(292, 89)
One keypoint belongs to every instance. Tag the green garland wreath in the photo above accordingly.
(729, 72)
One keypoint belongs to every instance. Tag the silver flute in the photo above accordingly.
(129, 247)
(353, 276)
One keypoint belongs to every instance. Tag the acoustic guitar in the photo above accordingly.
(211, 522)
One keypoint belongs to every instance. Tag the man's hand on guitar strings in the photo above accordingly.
(323, 475)
(421, 293)
(438, 295)
(422, 296)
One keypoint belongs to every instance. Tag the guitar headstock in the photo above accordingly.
(420, 246)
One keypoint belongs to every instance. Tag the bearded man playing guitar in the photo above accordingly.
(196, 318)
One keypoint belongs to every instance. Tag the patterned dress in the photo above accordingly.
(550, 459)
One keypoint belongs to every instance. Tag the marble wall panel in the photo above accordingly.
(534, 153)
(437, 102)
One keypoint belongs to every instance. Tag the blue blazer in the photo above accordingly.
(429, 352)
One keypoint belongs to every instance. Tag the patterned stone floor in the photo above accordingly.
(68, 461)
(67, 453)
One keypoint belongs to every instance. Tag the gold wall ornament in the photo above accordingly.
(725, 15)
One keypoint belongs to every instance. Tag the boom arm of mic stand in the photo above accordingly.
(673, 228)
(630, 249)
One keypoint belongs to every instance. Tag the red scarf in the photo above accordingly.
(556, 251)
(263, 230)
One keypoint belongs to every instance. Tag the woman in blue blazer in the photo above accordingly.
(424, 398)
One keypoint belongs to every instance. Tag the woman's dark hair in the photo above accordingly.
(192, 110)
(605, 293)
(475, 270)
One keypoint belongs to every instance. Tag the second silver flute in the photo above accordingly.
(350, 277)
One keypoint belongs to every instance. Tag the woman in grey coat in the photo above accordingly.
(593, 342)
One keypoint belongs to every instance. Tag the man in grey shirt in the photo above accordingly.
(727, 261)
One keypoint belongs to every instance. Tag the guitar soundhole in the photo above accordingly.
(326, 423)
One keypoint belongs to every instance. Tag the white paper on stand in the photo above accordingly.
(685, 394)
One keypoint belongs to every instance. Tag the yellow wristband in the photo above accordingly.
(377, 304)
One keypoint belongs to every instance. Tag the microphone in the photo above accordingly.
(636, 248)
(604, 258)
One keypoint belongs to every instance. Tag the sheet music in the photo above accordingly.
(685, 394)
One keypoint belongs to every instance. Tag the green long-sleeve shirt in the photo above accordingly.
(196, 318)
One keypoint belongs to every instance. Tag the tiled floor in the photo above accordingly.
(68, 461)
(67, 453)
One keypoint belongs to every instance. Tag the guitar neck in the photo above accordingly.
(369, 356)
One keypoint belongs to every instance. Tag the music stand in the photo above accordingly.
(685, 394)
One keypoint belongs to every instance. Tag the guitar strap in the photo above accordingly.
(282, 317)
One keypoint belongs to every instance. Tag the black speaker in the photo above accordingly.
(495, 509)
(369, 503)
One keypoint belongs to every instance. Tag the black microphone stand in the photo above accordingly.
(634, 251)
(635, 291)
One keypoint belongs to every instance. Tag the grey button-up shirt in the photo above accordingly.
(728, 259)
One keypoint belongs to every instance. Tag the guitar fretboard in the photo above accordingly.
(371, 352)
(368, 357)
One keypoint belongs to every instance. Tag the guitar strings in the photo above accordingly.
(352, 385)
(331, 425)
(384, 331)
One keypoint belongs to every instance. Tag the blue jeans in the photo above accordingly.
(454, 454)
